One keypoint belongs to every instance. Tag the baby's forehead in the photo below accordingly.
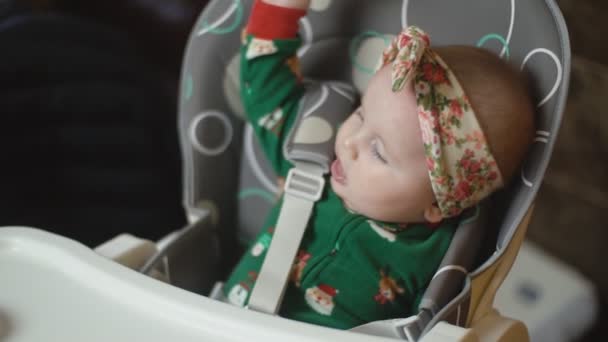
(379, 83)
(379, 96)
(393, 116)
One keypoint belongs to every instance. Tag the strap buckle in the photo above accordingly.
(304, 184)
(412, 328)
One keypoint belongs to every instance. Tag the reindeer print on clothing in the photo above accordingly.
(387, 289)
(298, 266)
(293, 64)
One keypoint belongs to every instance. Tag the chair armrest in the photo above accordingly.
(127, 250)
(495, 327)
(132, 252)
(445, 332)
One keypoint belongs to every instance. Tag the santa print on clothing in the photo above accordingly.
(321, 298)
(260, 47)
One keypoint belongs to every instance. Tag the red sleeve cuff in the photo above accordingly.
(273, 22)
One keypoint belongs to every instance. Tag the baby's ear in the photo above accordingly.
(432, 214)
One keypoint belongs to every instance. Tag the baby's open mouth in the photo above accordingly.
(337, 172)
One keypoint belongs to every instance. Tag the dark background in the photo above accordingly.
(88, 141)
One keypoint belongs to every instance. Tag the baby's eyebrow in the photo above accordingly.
(387, 152)
(387, 149)
(359, 112)
(388, 146)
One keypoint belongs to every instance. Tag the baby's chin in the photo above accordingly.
(353, 209)
(337, 190)
(349, 207)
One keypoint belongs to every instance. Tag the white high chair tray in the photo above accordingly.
(55, 289)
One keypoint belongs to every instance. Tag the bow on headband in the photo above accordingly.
(459, 162)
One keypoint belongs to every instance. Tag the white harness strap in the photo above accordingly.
(311, 151)
(303, 187)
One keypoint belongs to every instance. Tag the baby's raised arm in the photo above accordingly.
(271, 83)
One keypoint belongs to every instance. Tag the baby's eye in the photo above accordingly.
(376, 152)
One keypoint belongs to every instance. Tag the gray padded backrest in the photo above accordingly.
(343, 39)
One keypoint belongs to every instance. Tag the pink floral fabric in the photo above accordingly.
(460, 164)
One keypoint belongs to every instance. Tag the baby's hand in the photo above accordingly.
(299, 4)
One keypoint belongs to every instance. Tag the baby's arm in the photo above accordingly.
(271, 84)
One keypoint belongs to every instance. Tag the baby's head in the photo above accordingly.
(385, 170)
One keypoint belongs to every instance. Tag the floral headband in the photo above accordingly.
(460, 165)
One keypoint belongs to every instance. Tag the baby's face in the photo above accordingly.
(380, 168)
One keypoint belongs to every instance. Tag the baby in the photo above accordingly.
(428, 142)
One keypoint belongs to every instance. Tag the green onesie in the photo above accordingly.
(350, 269)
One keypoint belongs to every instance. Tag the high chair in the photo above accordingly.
(53, 288)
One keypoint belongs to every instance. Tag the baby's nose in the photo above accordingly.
(351, 147)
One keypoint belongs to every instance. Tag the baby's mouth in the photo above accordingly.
(337, 172)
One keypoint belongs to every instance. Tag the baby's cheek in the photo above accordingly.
(376, 197)
(390, 196)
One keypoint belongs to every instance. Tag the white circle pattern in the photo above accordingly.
(558, 65)
(320, 5)
(198, 120)
(219, 21)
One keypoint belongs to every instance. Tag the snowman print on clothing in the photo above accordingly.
(273, 121)
(240, 292)
(262, 244)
